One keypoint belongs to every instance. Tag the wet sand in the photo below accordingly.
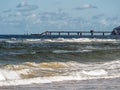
(100, 84)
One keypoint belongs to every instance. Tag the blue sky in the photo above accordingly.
(36, 16)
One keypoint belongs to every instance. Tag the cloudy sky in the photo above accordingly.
(36, 16)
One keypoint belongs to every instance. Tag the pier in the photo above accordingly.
(77, 33)
(74, 34)
(64, 34)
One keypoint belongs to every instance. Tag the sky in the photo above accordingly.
(36, 16)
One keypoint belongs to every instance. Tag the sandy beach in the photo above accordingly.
(99, 84)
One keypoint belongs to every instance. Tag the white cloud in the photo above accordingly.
(85, 6)
(23, 6)
(18, 14)
(104, 22)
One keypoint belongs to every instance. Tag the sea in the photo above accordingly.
(33, 61)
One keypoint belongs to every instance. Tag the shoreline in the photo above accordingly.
(96, 84)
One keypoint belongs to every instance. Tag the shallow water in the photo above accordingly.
(27, 61)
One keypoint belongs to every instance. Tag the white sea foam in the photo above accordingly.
(71, 51)
(81, 40)
(77, 40)
(95, 72)
(69, 70)
(48, 80)
(2, 77)
(8, 75)
(86, 51)
(29, 40)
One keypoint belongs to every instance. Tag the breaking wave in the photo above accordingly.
(58, 40)
(71, 51)
(29, 73)
(28, 61)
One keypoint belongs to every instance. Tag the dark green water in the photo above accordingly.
(48, 51)
(55, 58)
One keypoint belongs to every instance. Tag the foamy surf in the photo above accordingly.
(81, 40)
(28, 61)
(72, 40)
(6, 75)
(95, 72)
(30, 73)
(71, 51)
